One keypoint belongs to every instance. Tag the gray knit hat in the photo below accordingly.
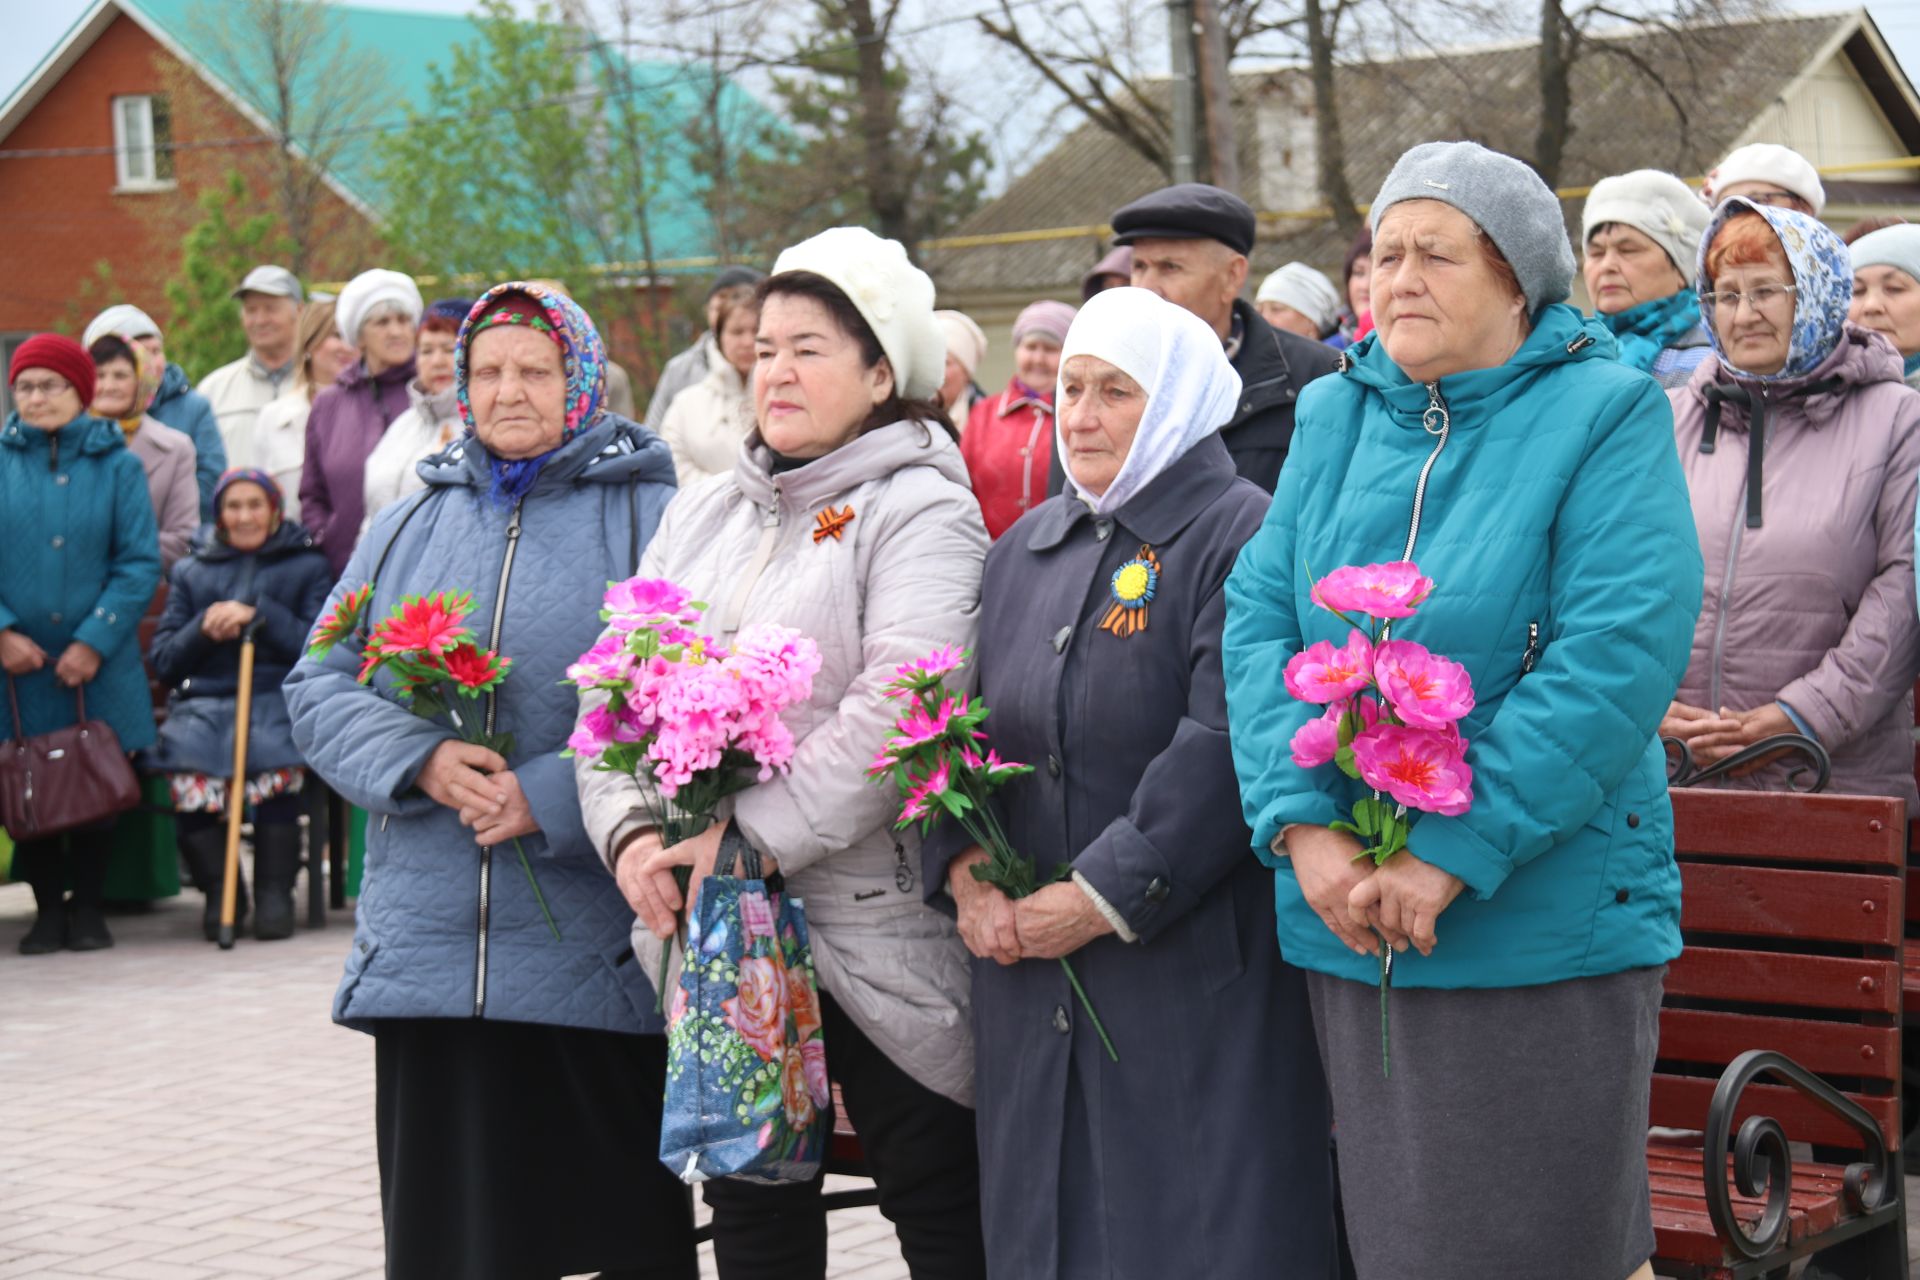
(1504, 197)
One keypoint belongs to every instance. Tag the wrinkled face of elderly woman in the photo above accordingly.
(45, 400)
(1750, 294)
(114, 385)
(812, 386)
(1100, 410)
(1623, 268)
(387, 338)
(1443, 299)
(1887, 300)
(517, 389)
(246, 516)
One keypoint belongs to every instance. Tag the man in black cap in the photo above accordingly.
(1190, 244)
(690, 365)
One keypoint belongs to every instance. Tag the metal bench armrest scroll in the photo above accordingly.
(1761, 1156)
(1682, 772)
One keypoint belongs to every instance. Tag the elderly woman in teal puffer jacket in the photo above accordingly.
(1487, 433)
(79, 559)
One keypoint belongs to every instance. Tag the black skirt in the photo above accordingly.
(519, 1151)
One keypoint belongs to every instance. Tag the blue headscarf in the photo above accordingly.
(583, 357)
(1822, 272)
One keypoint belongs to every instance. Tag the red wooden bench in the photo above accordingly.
(1792, 910)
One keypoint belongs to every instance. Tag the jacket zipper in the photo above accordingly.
(1438, 423)
(486, 851)
(1734, 540)
(1532, 655)
(729, 617)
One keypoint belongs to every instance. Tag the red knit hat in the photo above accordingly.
(58, 355)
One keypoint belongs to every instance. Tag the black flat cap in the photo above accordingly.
(1187, 211)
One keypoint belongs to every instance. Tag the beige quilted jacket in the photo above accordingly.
(902, 578)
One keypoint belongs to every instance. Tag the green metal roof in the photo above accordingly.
(410, 44)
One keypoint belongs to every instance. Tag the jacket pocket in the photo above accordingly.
(1215, 928)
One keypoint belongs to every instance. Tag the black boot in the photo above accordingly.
(43, 865)
(276, 861)
(204, 845)
(87, 859)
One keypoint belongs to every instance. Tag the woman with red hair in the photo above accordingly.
(1801, 448)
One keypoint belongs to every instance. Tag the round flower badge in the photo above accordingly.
(1132, 590)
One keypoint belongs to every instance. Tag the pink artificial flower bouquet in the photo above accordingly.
(1392, 718)
(692, 720)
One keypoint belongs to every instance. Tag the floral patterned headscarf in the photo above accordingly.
(545, 310)
(1822, 272)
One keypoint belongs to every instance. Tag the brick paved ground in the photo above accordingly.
(169, 1112)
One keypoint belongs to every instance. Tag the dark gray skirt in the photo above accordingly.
(1511, 1139)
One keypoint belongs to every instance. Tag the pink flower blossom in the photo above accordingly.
(1391, 590)
(607, 663)
(594, 733)
(918, 727)
(813, 1060)
(932, 669)
(759, 1010)
(1324, 673)
(1318, 740)
(638, 601)
(923, 800)
(756, 916)
(1425, 690)
(1422, 769)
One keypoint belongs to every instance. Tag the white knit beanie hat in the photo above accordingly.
(122, 320)
(367, 290)
(1767, 162)
(1307, 291)
(892, 295)
(1657, 205)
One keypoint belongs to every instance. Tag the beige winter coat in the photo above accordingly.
(706, 423)
(902, 579)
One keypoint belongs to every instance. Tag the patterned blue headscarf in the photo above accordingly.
(583, 357)
(1823, 272)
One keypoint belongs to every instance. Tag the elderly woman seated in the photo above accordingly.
(1641, 234)
(1801, 447)
(1115, 694)
(1886, 290)
(259, 573)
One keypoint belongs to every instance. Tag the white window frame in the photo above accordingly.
(125, 151)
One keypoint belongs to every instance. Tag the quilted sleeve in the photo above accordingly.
(1624, 583)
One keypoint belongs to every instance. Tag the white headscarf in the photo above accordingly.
(1176, 357)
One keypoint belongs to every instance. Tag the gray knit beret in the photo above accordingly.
(1504, 197)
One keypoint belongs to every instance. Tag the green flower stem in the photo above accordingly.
(537, 895)
(1087, 1004)
(1386, 979)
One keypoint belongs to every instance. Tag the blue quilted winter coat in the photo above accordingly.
(1560, 539)
(445, 929)
(178, 405)
(79, 560)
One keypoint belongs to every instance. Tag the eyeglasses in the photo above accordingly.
(26, 389)
(1759, 299)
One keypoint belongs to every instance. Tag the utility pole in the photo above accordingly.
(1216, 95)
(1180, 44)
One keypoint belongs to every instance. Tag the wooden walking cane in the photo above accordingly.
(237, 789)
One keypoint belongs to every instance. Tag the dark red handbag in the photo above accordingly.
(69, 778)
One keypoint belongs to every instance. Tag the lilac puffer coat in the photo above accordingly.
(1815, 607)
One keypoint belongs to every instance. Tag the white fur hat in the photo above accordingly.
(123, 320)
(892, 295)
(367, 290)
(1767, 162)
(1657, 205)
(1307, 291)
